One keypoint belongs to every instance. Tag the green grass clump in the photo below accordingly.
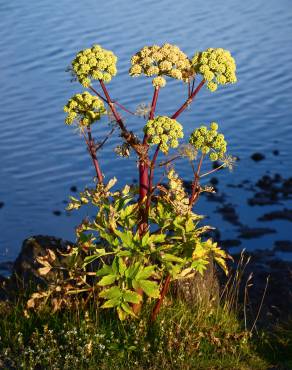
(183, 337)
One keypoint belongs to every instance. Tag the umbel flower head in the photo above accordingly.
(167, 60)
(217, 67)
(84, 108)
(95, 63)
(164, 131)
(209, 141)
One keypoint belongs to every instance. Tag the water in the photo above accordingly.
(41, 158)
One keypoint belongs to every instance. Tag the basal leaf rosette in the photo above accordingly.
(217, 67)
(167, 60)
(94, 63)
(209, 141)
(164, 131)
(84, 108)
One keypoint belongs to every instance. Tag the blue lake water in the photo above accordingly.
(41, 158)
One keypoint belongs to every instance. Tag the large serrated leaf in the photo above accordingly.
(113, 292)
(122, 266)
(150, 288)
(132, 270)
(172, 258)
(105, 270)
(107, 280)
(127, 309)
(132, 297)
(126, 238)
(111, 303)
(145, 273)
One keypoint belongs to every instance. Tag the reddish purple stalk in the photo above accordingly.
(92, 151)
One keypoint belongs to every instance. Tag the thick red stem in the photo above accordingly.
(158, 304)
(144, 169)
(151, 176)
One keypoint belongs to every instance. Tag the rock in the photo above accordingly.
(272, 190)
(285, 214)
(229, 243)
(73, 189)
(6, 266)
(57, 213)
(215, 197)
(229, 214)
(262, 199)
(251, 233)
(271, 275)
(276, 152)
(214, 181)
(283, 246)
(25, 268)
(1, 205)
(216, 164)
(198, 289)
(257, 157)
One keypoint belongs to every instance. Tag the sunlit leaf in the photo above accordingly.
(107, 280)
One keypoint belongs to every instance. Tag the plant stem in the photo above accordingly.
(92, 151)
(188, 101)
(195, 191)
(144, 168)
(114, 101)
(212, 171)
(158, 304)
(169, 161)
(112, 107)
(151, 175)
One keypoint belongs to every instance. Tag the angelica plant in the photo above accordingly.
(144, 237)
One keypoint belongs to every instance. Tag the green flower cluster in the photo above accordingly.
(159, 61)
(164, 131)
(85, 108)
(209, 141)
(96, 63)
(217, 67)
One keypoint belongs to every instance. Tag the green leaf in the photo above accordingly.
(122, 266)
(111, 303)
(132, 297)
(105, 270)
(107, 280)
(172, 258)
(145, 273)
(132, 270)
(121, 313)
(159, 238)
(189, 225)
(222, 263)
(128, 309)
(89, 259)
(126, 212)
(150, 288)
(126, 238)
(124, 254)
(113, 292)
(115, 266)
(200, 265)
(145, 239)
